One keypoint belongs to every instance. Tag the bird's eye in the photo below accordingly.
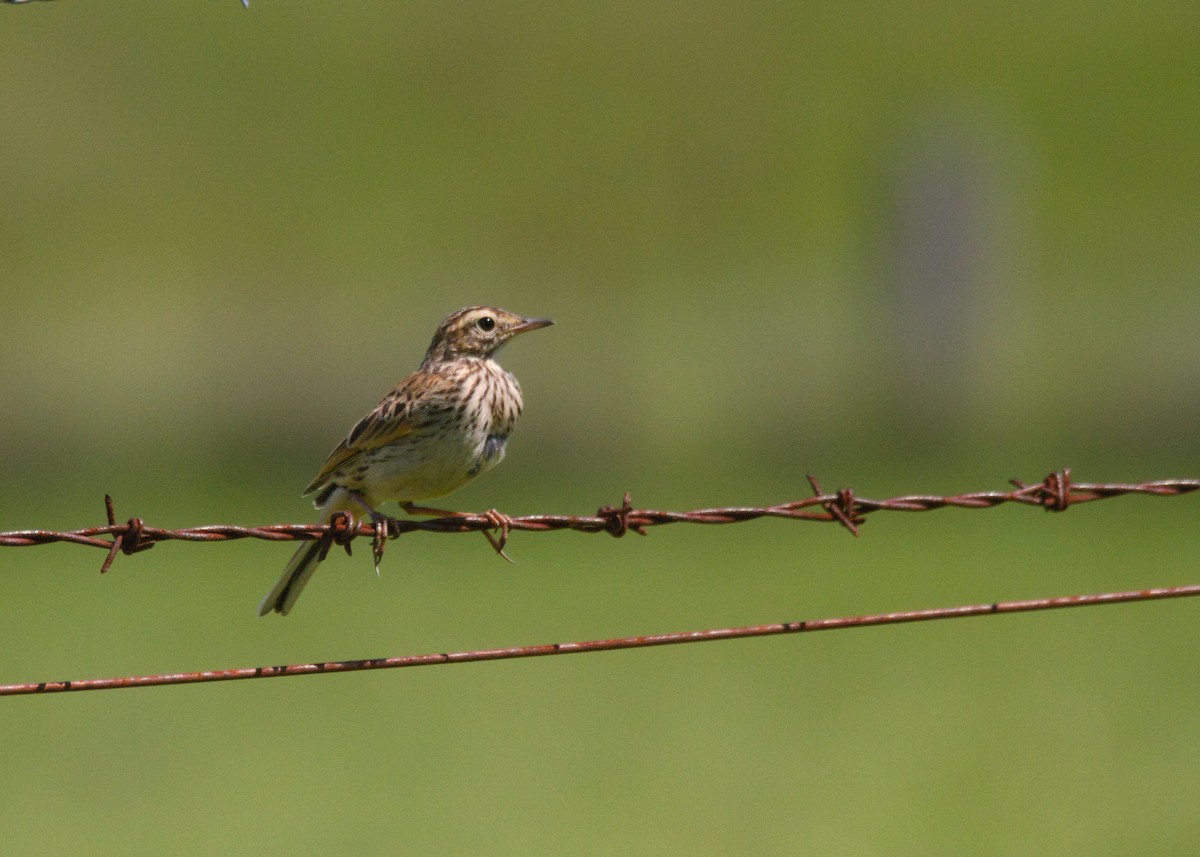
(486, 323)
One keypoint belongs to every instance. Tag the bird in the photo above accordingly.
(436, 430)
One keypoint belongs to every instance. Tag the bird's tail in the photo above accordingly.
(304, 561)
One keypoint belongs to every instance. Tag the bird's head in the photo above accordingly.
(478, 331)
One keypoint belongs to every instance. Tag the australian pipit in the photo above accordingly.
(437, 429)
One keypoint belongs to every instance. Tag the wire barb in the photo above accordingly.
(840, 506)
(616, 519)
(128, 540)
(341, 531)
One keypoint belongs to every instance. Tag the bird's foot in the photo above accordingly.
(385, 527)
(503, 523)
(497, 519)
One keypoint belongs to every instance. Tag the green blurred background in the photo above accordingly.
(919, 250)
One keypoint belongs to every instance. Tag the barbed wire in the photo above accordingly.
(639, 642)
(1056, 493)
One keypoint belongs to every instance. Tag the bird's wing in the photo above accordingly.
(397, 415)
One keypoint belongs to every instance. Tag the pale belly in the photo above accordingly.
(408, 472)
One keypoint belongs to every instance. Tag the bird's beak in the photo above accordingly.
(529, 324)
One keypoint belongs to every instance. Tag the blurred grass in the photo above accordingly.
(906, 249)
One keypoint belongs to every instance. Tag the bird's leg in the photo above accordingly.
(433, 513)
(383, 528)
(372, 513)
(497, 519)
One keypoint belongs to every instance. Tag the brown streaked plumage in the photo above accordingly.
(437, 429)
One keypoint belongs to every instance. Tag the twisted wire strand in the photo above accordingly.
(1056, 493)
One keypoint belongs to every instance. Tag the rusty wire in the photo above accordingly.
(1055, 493)
(766, 630)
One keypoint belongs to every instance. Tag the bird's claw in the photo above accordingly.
(503, 523)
